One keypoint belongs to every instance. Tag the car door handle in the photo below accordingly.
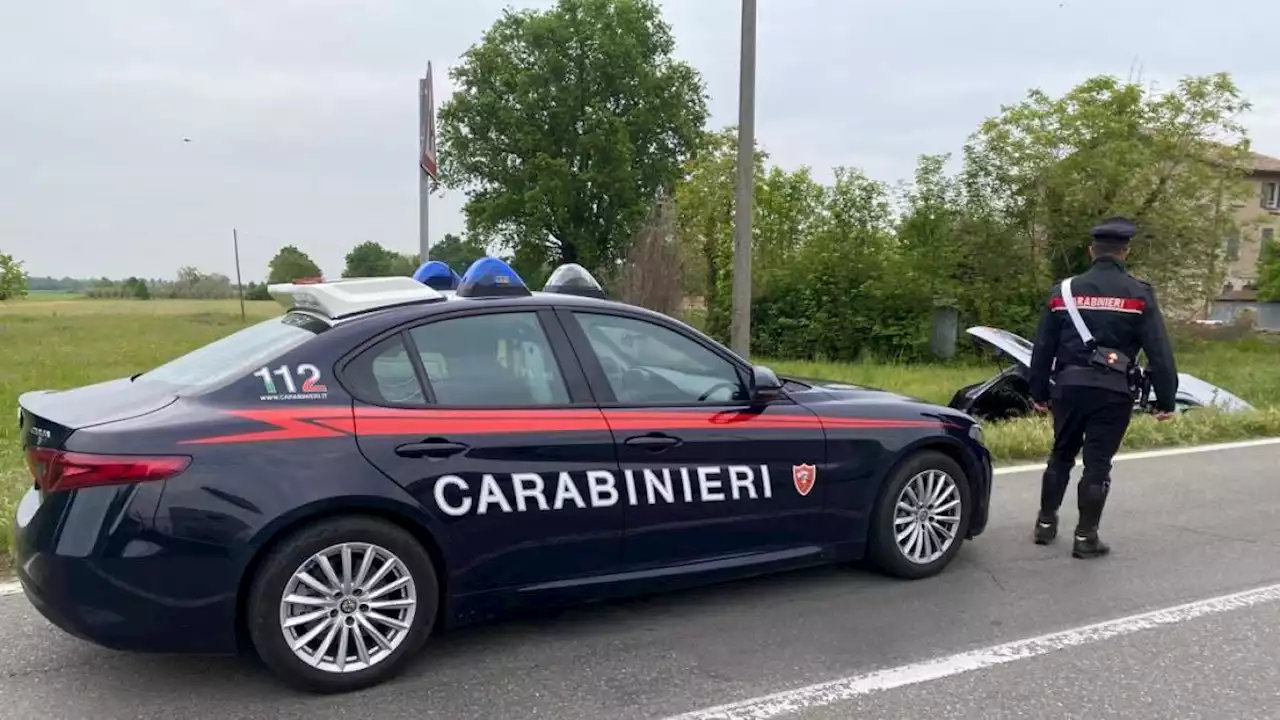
(431, 448)
(654, 442)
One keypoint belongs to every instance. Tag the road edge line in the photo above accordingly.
(1155, 454)
(12, 587)
(799, 700)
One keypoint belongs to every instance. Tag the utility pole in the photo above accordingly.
(426, 159)
(235, 243)
(740, 328)
(424, 180)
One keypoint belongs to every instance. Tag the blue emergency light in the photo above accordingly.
(490, 277)
(437, 275)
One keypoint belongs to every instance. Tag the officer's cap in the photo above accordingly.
(1115, 229)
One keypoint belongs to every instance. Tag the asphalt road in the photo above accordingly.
(1183, 529)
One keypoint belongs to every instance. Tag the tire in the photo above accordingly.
(884, 550)
(413, 602)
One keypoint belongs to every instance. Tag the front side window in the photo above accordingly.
(646, 363)
(498, 360)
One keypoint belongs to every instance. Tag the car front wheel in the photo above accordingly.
(921, 518)
(342, 604)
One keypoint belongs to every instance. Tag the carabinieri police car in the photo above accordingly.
(394, 456)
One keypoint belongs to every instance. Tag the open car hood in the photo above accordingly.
(1191, 389)
(1005, 343)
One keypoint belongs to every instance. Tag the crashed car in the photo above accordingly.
(1008, 394)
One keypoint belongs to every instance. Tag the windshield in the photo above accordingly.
(234, 355)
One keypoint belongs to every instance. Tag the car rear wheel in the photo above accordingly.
(921, 518)
(342, 604)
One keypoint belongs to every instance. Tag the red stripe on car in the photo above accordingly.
(338, 421)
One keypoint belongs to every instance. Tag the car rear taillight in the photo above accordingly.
(60, 470)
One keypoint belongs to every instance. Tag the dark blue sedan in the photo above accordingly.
(394, 456)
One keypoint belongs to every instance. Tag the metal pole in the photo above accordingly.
(235, 243)
(424, 180)
(740, 328)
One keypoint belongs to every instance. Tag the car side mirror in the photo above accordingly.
(765, 385)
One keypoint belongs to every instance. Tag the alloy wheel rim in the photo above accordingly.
(926, 517)
(348, 607)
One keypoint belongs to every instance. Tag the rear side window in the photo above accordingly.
(234, 355)
(497, 360)
(384, 374)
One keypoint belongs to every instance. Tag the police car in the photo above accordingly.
(395, 456)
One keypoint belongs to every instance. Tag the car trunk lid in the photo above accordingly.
(49, 417)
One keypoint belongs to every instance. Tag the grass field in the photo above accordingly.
(64, 342)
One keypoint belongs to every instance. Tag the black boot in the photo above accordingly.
(1053, 486)
(1088, 546)
(1092, 497)
(1046, 528)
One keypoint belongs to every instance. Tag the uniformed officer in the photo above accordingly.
(1088, 341)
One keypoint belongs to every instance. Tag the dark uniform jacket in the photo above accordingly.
(1121, 312)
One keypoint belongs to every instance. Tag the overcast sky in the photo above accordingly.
(303, 118)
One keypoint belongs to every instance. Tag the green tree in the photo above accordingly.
(1269, 273)
(136, 289)
(403, 264)
(458, 253)
(13, 279)
(704, 201)
(290, 264)
(256, 291)
(566, 125)
(370, 259)
(1173, 161)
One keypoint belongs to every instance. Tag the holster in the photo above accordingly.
(1110, 359)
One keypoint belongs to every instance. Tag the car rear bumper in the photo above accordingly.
(97, 576)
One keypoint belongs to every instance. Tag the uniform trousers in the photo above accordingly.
(1095, 420)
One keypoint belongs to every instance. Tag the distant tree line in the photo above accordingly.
(368, 259)
(67, 285)
(371, 259)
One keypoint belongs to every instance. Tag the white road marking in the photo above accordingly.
(814, 696)
(1153, 454)
(10, 588)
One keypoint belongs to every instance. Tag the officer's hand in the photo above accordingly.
(1040, 407)
(1162, 416)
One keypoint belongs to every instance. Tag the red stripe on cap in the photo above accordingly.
(1102, 302)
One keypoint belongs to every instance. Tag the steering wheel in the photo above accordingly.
(650, 385)
(717, 386)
